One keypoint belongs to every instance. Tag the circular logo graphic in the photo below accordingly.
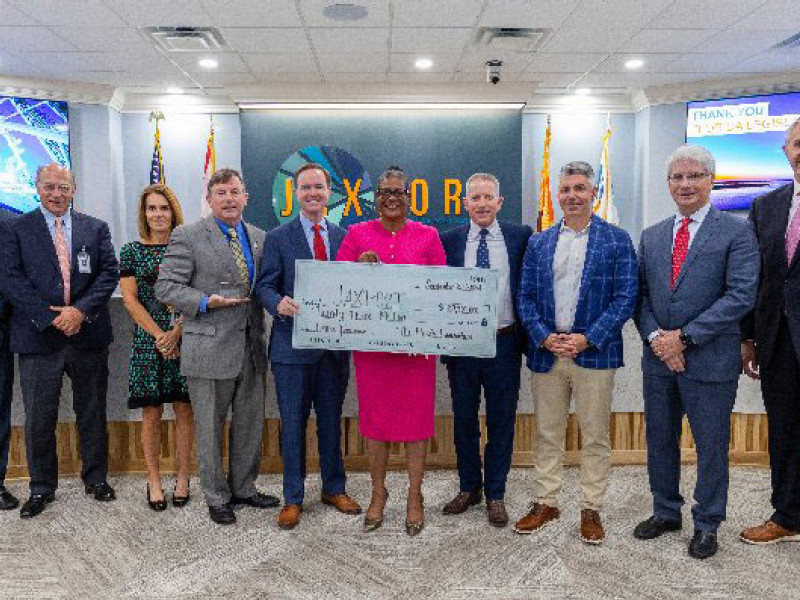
(352, 195)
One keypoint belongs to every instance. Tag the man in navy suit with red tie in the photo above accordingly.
(58, 271)
(488, 243)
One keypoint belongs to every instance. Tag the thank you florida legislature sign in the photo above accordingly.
(396, 308)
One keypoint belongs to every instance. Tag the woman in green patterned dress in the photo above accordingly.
(154, 369)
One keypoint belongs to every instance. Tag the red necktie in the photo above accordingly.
(680, 248)
(319, 244)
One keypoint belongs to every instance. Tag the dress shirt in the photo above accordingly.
(498, 260)
(66, 221)
(697, 219)
(308, 225)
(795, 203)
(568, 262)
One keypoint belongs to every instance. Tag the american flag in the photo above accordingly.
(157, 167)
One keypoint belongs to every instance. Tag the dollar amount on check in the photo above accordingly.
(396, 308)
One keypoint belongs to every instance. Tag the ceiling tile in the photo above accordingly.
(637, 80)
(737, 41)
(258, 39)
(349, 39)
(377, 14)
(568, 39)
(419, 77)
(704, 63)
(441, 13)
(280, 63)
(229, 62)
(551, 79)
(355, 77)
(172, 13)
(653, 63)
(253, 13)
(13, 64)
(128, 79)
(276, 77)
(67, 62)
(512, 61)
(31, 39)
(527, 13)
(768, 62)
(87, 13)
(557, 63)
(602, 14)
(404, 63)
(683, 13)
(223, 79)
(407, 39)
(770, 16)
(667, 40)
(12, 16)
(372, 62)
(104, 39)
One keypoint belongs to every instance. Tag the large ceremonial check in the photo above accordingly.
(395, 308)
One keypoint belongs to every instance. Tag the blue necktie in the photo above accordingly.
(482, 260)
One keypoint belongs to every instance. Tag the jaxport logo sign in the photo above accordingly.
(352, 190)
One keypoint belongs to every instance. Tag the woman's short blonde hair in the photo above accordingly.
(172, 200)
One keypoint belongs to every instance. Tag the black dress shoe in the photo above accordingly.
(7, 500)
(35, 504)
(655, 527)
(257, 500)
(102, 492)
(180, 501)
(222, 515)
(703, 544)
(156, 505)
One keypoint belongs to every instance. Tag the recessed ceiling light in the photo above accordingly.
(634, 63)
(423, 63)
(583, 92)
(174, 90)
(345, 11)
(208, 63)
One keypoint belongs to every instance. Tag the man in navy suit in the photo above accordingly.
(58, 271)
(304, 378)
(771, 346)
(698, 273)
(7, 500)
(488, 243)
(579, 286)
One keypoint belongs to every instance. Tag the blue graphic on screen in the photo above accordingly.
(32, 133)
(746, 137)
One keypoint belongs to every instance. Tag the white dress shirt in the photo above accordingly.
(568, 262)
(308, 229)
(697, 218)
(498, 261)
(66, 223)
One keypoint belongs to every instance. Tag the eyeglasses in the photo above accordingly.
(397, 194)
(52, 187)
(689, 177)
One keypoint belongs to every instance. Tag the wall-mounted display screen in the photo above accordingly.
(746, 137)
(32, 133)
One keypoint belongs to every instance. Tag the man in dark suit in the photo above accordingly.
(58, 271)
(698, 272)
(304, 378)
(488, 243)
(579, 284)
(7, 500)
(771, 346)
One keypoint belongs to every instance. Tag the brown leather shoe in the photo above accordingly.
(538, 516)
(343, 503)
(462, 502)
(496, 513)
(768, 533)
(591, 527)
(289, 516)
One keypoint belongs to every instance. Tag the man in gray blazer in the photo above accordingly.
(207, 275)
(698, 275)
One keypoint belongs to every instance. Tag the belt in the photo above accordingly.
(508, 330)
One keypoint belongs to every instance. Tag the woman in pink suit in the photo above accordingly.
(395, 391)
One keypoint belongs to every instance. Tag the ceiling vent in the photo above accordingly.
(792, 43)
(511, 39)
(186, 39)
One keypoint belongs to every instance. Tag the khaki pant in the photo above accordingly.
(592, 390)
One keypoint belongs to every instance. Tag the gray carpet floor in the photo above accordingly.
(79, 548)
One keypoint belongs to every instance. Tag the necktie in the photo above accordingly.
(319, 244)
(793, 236)
(680, 248)
(63, 257)
(238, 255)
(482, 259)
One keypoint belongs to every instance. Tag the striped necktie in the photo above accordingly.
(238, 256)
(62, 252)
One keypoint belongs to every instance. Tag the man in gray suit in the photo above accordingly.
(698, 275)
(207, 275)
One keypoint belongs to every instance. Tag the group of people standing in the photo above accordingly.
(709, 293)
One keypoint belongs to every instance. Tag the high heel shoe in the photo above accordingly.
(371, 524)
(414, 528)
(156, 505)
(180, 501)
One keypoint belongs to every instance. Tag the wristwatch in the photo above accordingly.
(686, 340)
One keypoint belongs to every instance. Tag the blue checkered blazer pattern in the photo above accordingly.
(607, 298)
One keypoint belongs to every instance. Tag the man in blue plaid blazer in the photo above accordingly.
(579, 286)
